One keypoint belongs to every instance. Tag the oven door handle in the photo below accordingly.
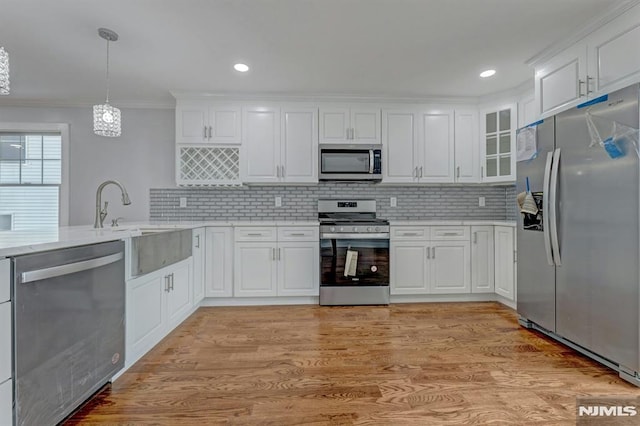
(335, 236)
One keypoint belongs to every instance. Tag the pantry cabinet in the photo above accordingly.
(156, 304)
(349, 124)
(198, 253)
(504, 262)
(219, 262)
(276, 261)
(482, 259)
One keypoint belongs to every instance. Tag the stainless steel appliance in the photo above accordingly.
(350, 162)
(578, 273)
(354, 253)
(68, 328)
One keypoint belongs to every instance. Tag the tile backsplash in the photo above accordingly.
(299, 202)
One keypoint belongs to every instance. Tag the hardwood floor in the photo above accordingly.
(436, 363)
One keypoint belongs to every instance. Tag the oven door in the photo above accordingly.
(371, 266)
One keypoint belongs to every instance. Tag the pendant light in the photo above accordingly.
(107, 119)
(4, 72)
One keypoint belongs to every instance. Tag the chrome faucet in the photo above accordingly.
(101, 213)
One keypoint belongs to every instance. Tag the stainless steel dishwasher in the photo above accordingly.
(68, 328)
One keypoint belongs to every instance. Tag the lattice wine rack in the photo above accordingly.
(201, 166)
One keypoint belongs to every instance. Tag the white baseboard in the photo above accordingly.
(257, 301)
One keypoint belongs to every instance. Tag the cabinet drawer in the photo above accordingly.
(458, 233)
(6, 403)
(255, 233)
(408, 233)
(5, 341)
(309, 233)
(5, 280)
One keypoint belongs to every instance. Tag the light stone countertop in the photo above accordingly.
(511, 223)
(15, 243)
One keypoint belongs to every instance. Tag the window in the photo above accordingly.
(32, 179)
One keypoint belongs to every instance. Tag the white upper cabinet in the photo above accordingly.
(467, 147)
(280, 144)
(299, 145)
(260, 153)
(346, 124)
(604, 61)
(498, 130)
(436, 146)
(562, 81)
(614, 61)
(399, 143)
(207, 123)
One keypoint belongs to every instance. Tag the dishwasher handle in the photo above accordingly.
(71, 268)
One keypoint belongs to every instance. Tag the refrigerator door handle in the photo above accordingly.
(545, 209)
(553, 189)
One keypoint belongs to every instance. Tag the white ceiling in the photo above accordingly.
(391, 48)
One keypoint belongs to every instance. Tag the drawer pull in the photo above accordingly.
(451, 234)
(255, 235)
(297, 234)
(409, 234)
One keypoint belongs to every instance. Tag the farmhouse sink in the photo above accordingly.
(156, 248)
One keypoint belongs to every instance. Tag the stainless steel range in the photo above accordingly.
(354, 253)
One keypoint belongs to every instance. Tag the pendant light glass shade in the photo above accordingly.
(107, 120)
(4, 72)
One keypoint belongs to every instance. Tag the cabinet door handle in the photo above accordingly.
(205, 132)
(197, 241)
(433, 256)
(279, 253)
(589, 85)
(482, 172)
(278, 171)
(273, 253)
(209, 132)
(171, 281)
(420, 171)
(281, 171)
(415, 172)
(166, 283)
(475, 238)
(458, 172)
(580, 83)
(428, 252)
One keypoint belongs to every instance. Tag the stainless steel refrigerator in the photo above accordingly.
(578, 259)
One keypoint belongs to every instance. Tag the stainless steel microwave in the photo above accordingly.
(350, 162)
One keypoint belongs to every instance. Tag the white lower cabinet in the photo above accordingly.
(219, 262)
(430, 260)
(198, 253)
(5, 341)
(450, 267)
(504, 262)
(6, 403)
(272, 261)
(156, 303)
(482, 259)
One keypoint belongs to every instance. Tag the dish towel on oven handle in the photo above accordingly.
(351, 263)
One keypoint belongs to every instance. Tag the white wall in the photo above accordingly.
(142, 158)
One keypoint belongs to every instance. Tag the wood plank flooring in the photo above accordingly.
(422, 364)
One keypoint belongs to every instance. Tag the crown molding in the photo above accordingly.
(592, 25)
(8, 101)
(517, 92)
(319, 97)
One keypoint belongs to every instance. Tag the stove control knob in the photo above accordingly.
(341, 229)
(369, 229)
(332, 229)
(355, 229)
(377, 228)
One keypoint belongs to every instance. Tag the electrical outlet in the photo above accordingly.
(481, 202)
(183, 202)
(394, 202)
(278, 201)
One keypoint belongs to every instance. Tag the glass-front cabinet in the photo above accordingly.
(498, 130)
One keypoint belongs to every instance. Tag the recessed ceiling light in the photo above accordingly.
(241, 67)
(487, 73)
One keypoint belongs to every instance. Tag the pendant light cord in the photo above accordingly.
(107, 71)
